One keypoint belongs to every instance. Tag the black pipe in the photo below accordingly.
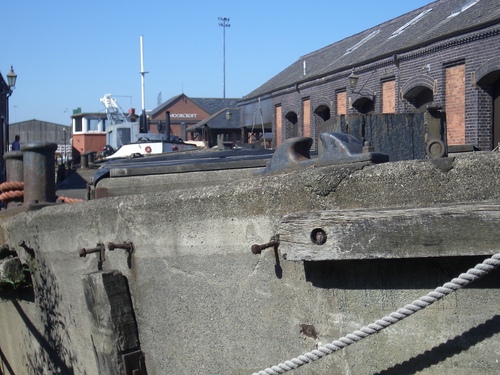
(167, 125)
(143, 126)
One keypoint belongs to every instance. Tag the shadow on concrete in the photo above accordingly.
(51, 352)
(396, 274)
(447, 349)
(277, 267)
(75, 185)
(73, 181)
(22, 294)
(6, 365)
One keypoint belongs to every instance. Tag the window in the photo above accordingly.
(123, 135)
(77, 123)
(93, 124)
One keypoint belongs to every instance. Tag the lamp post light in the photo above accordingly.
(224, 22)
(353, 80)
(11, 79)
(353, 83)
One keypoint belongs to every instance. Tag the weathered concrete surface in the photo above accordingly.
(112, 187)
(205, 304)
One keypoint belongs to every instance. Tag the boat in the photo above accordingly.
(124, 137)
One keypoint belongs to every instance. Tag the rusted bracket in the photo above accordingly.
(257, 249)
(99, 249)
(127, 246)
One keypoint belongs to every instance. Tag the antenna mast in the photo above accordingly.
(143, 122)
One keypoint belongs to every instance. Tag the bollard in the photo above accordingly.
(39, 172)
(14, 166)
(92, 155)
(87, 158)
(12, 191)
(84, 160)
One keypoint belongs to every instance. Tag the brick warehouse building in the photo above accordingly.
(184, 112)
(443, 55)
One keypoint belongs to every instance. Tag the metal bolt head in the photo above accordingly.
(318, 236)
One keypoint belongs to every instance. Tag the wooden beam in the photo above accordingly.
(460, 230)
(113, 326)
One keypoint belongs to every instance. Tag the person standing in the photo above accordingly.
(16, 145)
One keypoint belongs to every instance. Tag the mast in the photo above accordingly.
(143, 120)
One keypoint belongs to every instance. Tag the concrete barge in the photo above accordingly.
(187, 295)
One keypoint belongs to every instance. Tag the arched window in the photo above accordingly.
(419, 97)
(291, 125)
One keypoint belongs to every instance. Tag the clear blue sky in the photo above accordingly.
(68, 54)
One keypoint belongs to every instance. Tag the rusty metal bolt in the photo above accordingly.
(257, 249)
(83, 252)
(128, 246)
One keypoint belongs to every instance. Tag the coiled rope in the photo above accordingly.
(455, 284)
(14, 191)
(11, 191)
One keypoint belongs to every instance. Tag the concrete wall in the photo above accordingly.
(204, 304)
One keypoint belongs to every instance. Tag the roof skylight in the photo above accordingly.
(409, 23)
(463, 8)
(362, 41)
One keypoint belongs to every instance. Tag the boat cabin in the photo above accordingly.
(89, 133)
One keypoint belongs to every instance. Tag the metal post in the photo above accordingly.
(39, 172)
(167, 125)
(14, 166)
(14, 171)
(143, 121)
(224, 22)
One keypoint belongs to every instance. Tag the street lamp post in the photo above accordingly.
(6, 91)
(143, 125)
(65, 158)
(224, 22)
(11, 81)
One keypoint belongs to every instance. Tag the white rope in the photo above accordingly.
(457, 283)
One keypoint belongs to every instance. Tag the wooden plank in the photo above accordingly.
(462, 230)
(114, 329)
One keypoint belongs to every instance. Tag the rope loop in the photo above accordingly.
(11, 185)
(13, 191)
(455, 284)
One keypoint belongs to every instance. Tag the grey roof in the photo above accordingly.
(209, 105)
(213, 105)
(219, 121)
(166, 104)
(35, 122)
(433, 23)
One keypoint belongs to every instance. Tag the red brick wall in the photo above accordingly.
(193, 114)
(455, 104)
(342, 103)
(279, 125)
(306, 110)
(389, 97)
